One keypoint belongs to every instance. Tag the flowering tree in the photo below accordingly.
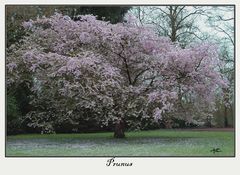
(116, 73)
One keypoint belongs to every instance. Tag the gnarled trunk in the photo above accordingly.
(119, 129)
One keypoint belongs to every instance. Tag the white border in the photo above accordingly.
(79, 166)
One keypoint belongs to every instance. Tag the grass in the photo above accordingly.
(142, 143)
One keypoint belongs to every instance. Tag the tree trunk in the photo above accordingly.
(226, 100)
(225, 117)
(168, 124)
(119, 129)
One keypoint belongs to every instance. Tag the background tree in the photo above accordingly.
(221, 19)
(176, 22)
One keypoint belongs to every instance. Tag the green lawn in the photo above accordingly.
(142, 143)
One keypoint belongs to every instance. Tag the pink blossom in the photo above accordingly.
(27, 25)
(157, 114)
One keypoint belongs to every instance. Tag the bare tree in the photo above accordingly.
(176, 22)
(221, 20)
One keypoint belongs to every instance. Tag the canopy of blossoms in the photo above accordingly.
(90, 68)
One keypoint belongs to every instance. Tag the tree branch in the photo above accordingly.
(139, 74)
(222, 30)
